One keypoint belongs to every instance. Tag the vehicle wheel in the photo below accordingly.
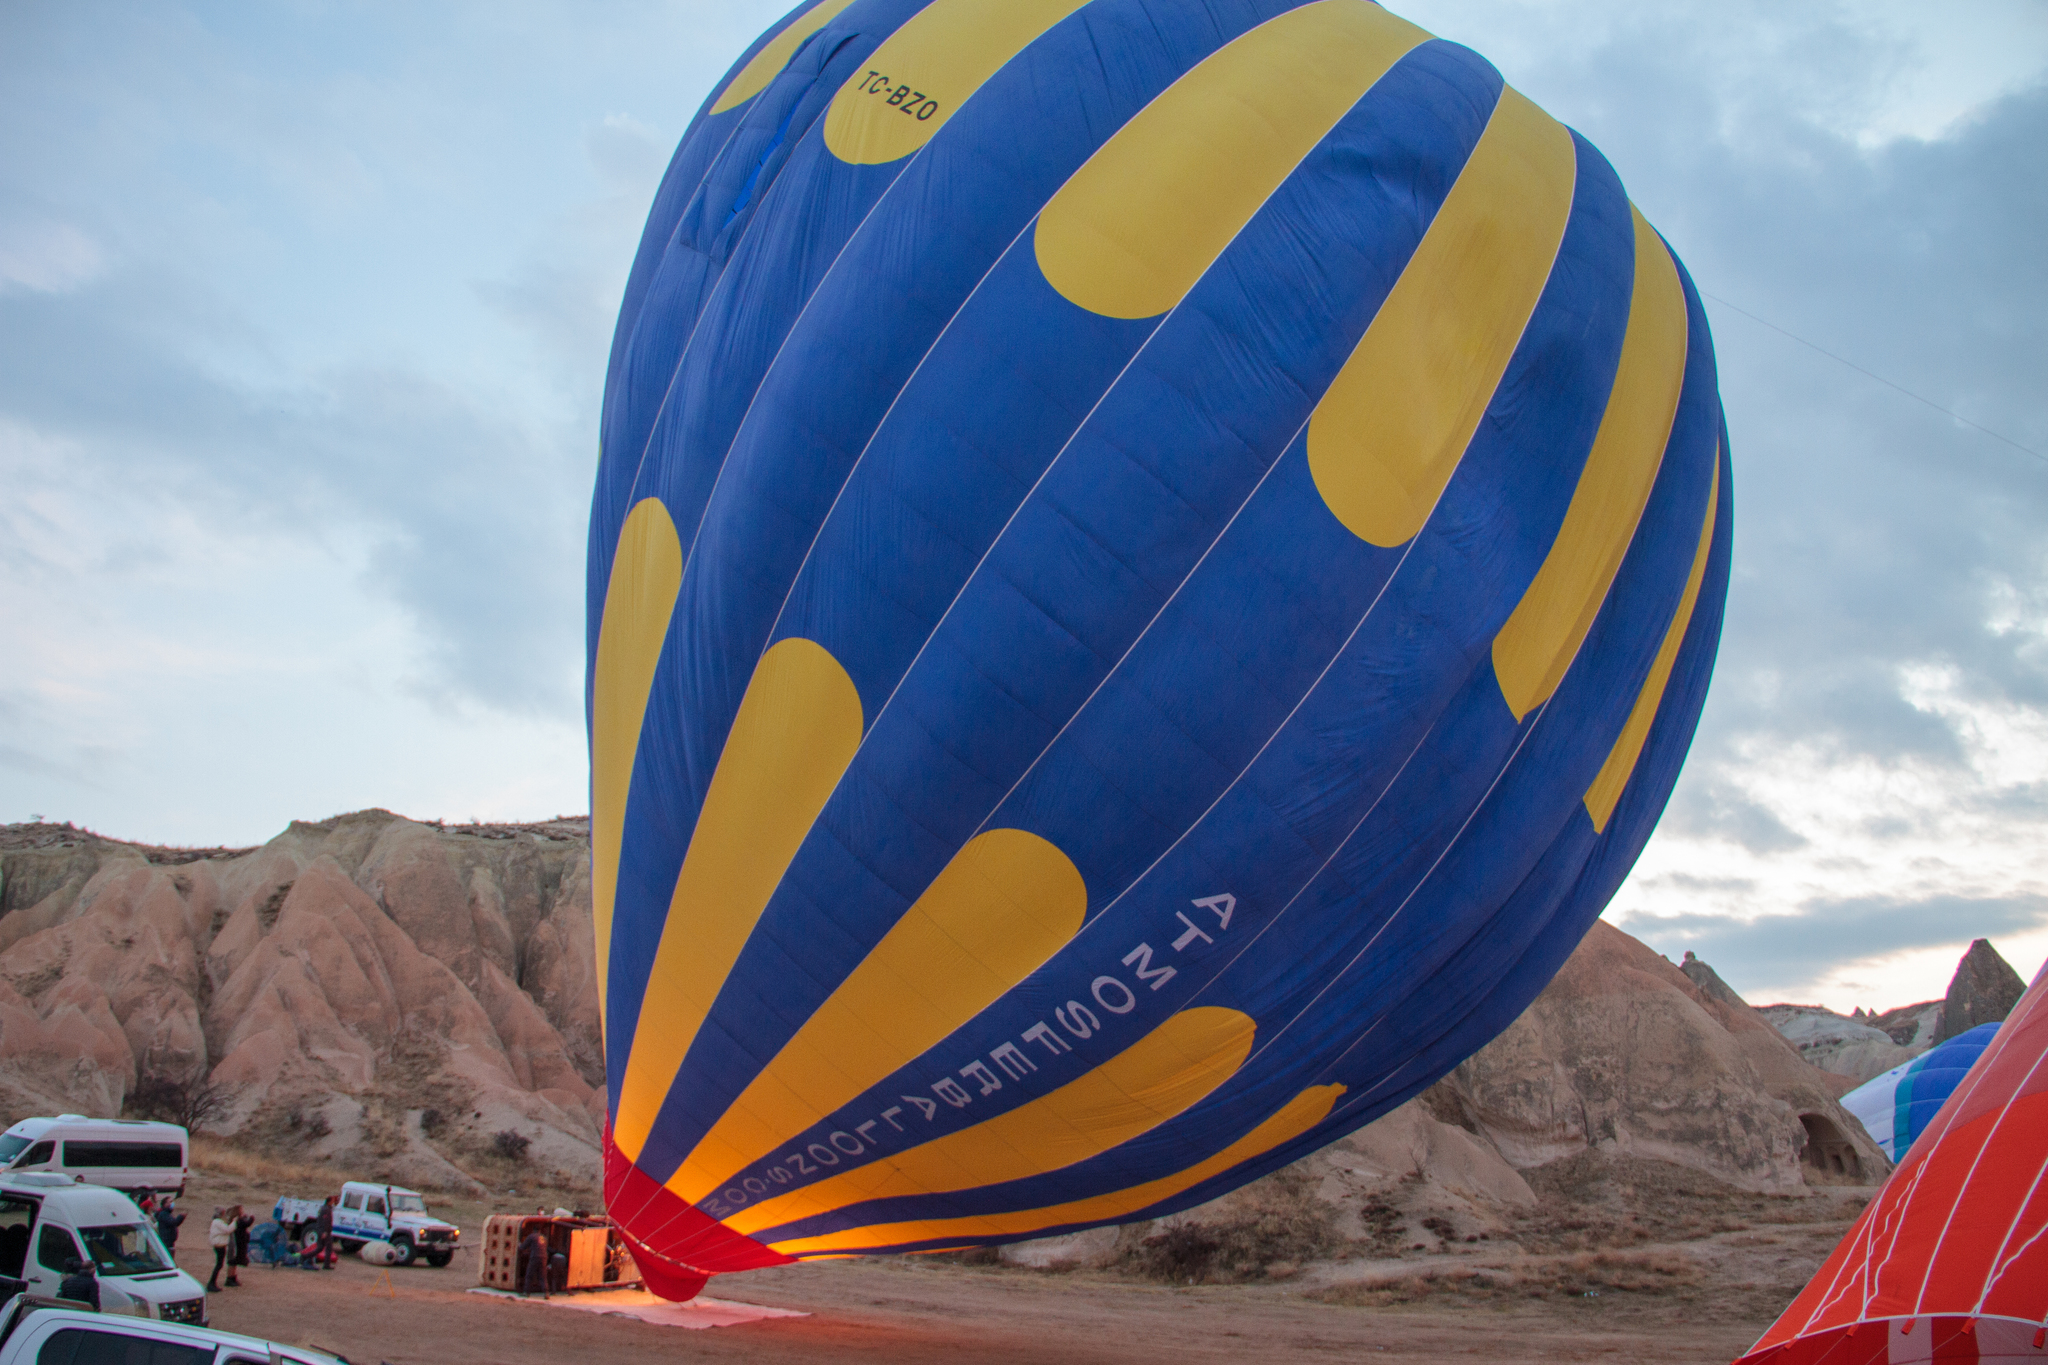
(437, 1259)
(403, 1246)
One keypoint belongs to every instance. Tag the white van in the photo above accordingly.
(124, 1154)
(49, 1220)
(33, 1331)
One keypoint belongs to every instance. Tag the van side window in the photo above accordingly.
(352, 1200)
(16, 1217)
(77, 1346)
(165, 1155)
(38, 1154)
(55, 1250)
(376, 1205)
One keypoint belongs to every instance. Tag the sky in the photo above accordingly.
(304, 314)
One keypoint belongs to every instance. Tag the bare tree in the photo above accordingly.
(191, 1100)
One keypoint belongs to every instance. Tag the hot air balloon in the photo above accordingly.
(1896, 1107)
(1153, 566)
(1950, 1260)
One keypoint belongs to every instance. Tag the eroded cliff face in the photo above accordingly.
(343, 983)
(1624, 1054)
(1625, 1081)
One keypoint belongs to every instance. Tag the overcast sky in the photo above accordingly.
(304, 311)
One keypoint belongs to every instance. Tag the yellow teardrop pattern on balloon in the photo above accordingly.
(1606, 790)
(924, 71)
(797, 729)
(639, 599)
(1004, 905)
(767, 64)
(1129, 234)
(1296, 1117)
(1536, 646)
(1391, 429)
(1164, 1073)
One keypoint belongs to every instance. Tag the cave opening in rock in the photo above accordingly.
(1828, 1149)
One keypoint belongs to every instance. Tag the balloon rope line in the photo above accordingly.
(1872, 374)
(1450, 844)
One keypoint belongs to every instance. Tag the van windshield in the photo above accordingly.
(407, 1203)
(11, 1147)
(124, 1249)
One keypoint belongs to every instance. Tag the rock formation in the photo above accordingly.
(1853, 1049)
(367, 985)
(1624, 1053)
(1625, 1064)
(1860, 1046)
(1983, 991)
(1910, 1026)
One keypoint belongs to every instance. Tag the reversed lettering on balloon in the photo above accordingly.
(1014, 1063)
(978, 1072)
(1141, 958)
(1077, 1020)
(1052, 1042)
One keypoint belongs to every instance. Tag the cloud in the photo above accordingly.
(1807, 945)
(1877, 731)
(625, 151)
(46, 257)
(21, 760)
(453, 503)
(1711, 810)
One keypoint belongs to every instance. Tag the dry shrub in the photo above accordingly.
(1595, 1202)
(219, 1158)
(1589, 1275)
(1270, 1242)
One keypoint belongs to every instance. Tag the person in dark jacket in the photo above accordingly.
(167, 1220)
(533, 1255)
(238, 1254)
(80, 1284)
(323, 1228)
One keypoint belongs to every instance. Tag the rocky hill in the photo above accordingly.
(1860, 1045)
(1624, 1106)
(366, 985)
(374, 989)
(1983, 991)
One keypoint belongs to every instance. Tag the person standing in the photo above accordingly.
(220, 1234)
(239, 1254)
(323, 1228)
(534, 1254)
(80, 1284)
(167, 1220)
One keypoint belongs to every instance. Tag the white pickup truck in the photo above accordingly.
(34, 1330)
(369, 1212)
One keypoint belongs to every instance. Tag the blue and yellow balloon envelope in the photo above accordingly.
(1153, 567)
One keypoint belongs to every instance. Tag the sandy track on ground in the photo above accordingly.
(910, 1312)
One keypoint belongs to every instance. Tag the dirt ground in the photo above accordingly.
(1604, 1297)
